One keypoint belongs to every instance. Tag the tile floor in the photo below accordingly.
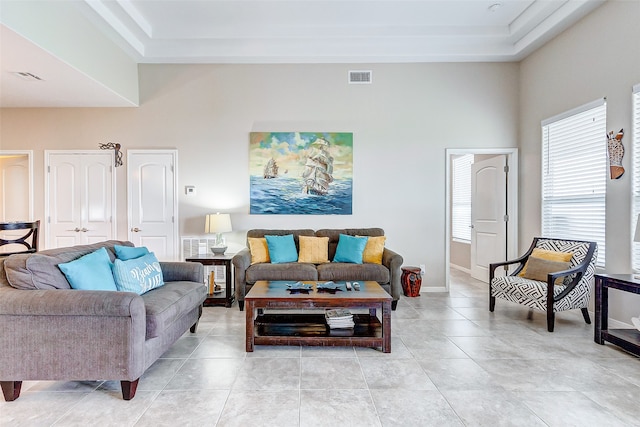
(453, 363)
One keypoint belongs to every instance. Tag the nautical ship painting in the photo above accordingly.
(302, 173)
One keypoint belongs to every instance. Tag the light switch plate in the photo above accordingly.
(190, 190)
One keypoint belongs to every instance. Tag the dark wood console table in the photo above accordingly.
(628, 339)
(227, 296)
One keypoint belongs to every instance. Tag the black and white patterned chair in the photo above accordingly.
(573, 292)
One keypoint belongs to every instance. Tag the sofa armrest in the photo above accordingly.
(393, 261)
(241, 261)
(84, 334)
(174, 271)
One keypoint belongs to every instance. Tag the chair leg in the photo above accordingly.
(492, 303)
(585, 314)
(551, 317)
(11, 390)
(241, 305)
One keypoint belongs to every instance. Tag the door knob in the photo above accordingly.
(135, 229)
(84, 230)
(76, 229)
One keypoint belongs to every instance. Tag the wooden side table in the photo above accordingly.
(226, 297)
(628, 339)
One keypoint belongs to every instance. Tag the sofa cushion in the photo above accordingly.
(259, 250)
(282, 248)
(285, 271)
(90, 272)
(334, 235)
(261, 232)
(139, 275)
(40, 270)
(350, 249)
(168, 303)
(127, 252)
(314, 249)
(373, 250)
(346, 271)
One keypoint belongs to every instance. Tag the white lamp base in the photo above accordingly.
(218, 250)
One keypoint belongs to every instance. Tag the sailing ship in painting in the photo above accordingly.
(318, 169)
(270, 169)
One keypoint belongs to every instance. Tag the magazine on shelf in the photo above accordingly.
(339, 318)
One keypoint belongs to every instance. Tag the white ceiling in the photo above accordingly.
(286, 31)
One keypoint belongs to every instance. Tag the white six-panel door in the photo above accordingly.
(80, 197)
(152, 201)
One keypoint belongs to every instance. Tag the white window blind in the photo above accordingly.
(461, 197)
(574, 175)
(635, 253)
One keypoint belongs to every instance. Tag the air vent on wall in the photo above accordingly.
(360, 77)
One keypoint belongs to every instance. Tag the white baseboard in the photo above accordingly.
(460, 268)
(433, 289)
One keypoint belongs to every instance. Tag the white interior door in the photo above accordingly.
(80, 198)
(15, 186)
(488, 215)
(152, 201)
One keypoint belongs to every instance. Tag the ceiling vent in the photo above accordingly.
(27, 76)
(360, 77)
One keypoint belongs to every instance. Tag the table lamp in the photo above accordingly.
(217, 224)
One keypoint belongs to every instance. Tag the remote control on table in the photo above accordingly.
(356, 286)
(348, 286)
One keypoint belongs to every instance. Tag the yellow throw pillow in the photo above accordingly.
(259, 250)
(539, 268)
(373, 250)
(313, 249)
(548, 255)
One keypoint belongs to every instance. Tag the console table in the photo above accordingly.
(227, 296)
(628, 339)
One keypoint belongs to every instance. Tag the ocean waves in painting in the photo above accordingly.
(284, 196)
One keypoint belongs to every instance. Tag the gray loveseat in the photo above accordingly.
(387, 274)
(49, 331)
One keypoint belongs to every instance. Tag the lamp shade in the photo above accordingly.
(217, 223)
(636, 237)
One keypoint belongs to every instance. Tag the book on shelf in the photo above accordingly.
(339, 318)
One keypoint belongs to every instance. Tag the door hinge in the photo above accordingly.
(506, 218)
(173, 219)
(506, 169)
(48, 220)
(48, 169)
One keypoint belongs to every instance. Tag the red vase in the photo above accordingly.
(411, 281)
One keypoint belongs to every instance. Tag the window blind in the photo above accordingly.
(574, 176)
(635, 253)
(461, 197)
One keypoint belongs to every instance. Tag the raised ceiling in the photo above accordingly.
(291, 31)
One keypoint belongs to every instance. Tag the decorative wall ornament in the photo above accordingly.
(616, 153)
(113, 146)
(301, 173)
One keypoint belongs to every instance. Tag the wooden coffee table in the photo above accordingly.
(297, 328)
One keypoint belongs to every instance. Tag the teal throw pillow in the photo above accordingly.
(350, 249)
(90, 272)
(129, 252)
(282, 249)
(138, 275)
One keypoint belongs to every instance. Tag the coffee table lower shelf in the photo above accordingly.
(311, 329)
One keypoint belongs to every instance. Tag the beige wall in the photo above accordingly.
(598, 57)
(402, 124)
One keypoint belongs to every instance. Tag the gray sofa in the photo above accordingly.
(387, 274)
(52, 332)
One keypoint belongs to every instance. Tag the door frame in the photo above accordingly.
(29, 154)
(47, 177)
(176, 219)
(512, 202)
